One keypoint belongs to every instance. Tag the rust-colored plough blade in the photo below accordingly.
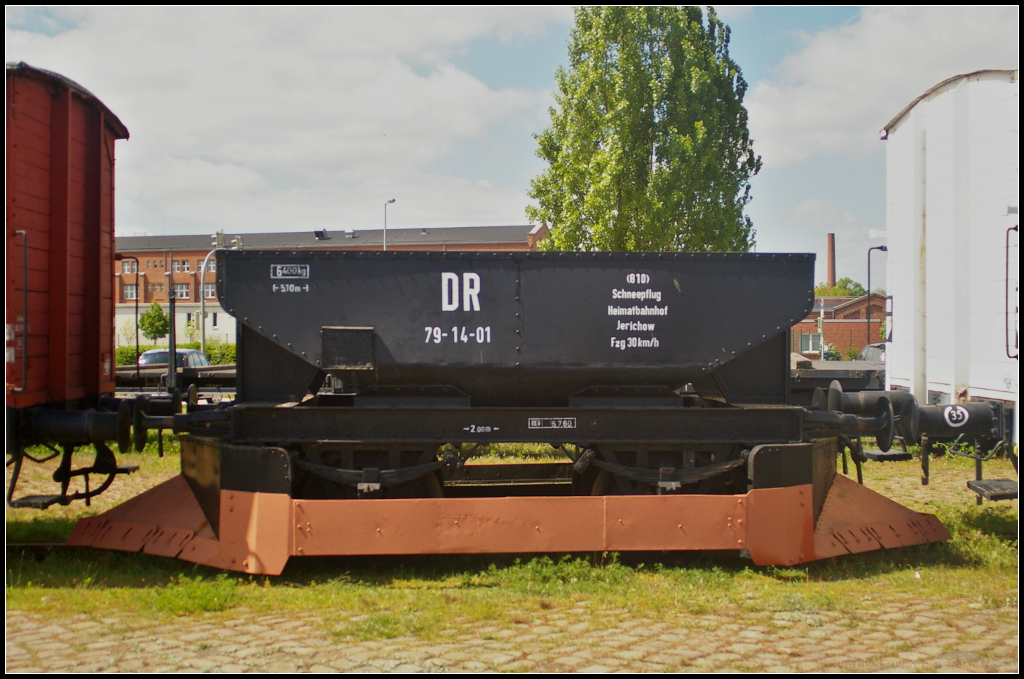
(258, 532)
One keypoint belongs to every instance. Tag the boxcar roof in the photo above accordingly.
(41, 73)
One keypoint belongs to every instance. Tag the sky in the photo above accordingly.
(285, 119)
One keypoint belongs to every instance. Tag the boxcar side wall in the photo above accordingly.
(60, 165)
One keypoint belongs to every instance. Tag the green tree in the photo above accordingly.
(844, 287)
(154, 323)
(648, 147)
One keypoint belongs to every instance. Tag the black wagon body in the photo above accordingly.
(517, 329)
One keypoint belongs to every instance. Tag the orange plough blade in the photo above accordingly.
(259, 532)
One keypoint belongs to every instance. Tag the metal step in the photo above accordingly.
(891, 456)
(995, 489)
(36, 501)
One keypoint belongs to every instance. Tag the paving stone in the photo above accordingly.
(523, 665)
(499, 658)
(911, 639)
(716, 659)
(572, 660)
(977, 646)
(237, 669)
(406, 668)
(876, 636)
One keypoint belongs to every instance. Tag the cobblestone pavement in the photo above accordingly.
(911, 636)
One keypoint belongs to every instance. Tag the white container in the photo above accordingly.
(952, 194)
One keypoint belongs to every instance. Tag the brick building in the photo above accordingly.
(150, 268)
(840, 322)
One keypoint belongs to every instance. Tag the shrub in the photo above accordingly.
(220, 353)
(126, 355)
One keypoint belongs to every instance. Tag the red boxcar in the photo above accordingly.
(60, 241)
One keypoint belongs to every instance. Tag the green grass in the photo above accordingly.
(510, 453)
(194, 595)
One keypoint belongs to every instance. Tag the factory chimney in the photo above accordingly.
(831, 261)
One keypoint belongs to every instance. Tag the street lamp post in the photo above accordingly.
(172, 337)
(386, 223)
(218, 243)
(883, 249)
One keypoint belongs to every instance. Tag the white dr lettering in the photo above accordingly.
(449, 291)
(471, 292)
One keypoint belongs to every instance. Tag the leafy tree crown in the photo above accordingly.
(844, 287)
(154, 323)
(648, 147)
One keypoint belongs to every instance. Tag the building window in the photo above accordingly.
(129, 266)
(181, 291)
(211, 265)
(210, 290)
(184, 265)
(175, 266)
(131, 292)
(215, 319)
(155, 287)
(810, 343)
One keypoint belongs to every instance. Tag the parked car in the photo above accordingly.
(186, 358)
(873, 353)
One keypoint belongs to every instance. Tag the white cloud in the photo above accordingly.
(839, 90)
(355, 103)
(731, 12)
